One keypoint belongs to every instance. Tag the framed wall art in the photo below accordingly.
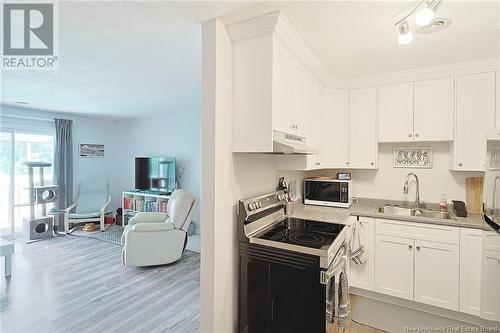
(413, 157)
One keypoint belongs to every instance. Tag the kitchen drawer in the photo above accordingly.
(491, 241)
(417, 230)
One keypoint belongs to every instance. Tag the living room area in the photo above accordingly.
(100, 176)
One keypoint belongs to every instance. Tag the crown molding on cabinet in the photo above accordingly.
(422, 73)
(277, 24)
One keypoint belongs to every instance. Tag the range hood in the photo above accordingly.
(290, 144)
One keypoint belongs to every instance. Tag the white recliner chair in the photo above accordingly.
(159, 238)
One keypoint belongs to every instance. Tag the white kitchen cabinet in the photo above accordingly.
(363, 129)
(436, 274)
(497, 118)
(474, 116)
(394, 266)
(272, 91)
(333, 128)
(363, 276)
(395, 113)
(434, 108)
(490, 288)
(470, 270)
(282, 117)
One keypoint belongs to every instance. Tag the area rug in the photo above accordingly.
(112, 235)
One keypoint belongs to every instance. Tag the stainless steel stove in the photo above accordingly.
(264, 222)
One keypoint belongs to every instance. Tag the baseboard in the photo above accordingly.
(392, 314)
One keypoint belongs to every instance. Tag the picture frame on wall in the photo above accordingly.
(91, 150)
(413, 157)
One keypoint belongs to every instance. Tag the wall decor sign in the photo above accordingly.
(91, 150)
(413, 157)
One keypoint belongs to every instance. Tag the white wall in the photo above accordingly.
(387, 182)
(174, 134)
(85, 130)
(226, 178)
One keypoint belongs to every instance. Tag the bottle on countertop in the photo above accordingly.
(443, 205)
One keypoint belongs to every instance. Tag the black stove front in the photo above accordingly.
(312, 234)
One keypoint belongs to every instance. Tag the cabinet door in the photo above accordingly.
(300, 91)
(498, 100)
(434, 110)
(333, 128)
(363, 129)
(281, 102)
(490, 288)
(437, 268)
(362, 276)
(395, 113)
(475, 115)
(394, 268)
(470, 271)
(255, 300)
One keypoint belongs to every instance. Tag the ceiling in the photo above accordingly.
(128, 59)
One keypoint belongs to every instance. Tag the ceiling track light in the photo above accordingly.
(425, 11)
(405, 36)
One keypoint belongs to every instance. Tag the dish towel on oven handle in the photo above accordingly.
(344, 303)
(357, 243)
(337, 299)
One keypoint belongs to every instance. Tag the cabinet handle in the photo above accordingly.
(410, 135)
(416, 135)
(272, 309)
(372, 163)
(347, 163)
(418, 248)
(410, 247)
(460, 164)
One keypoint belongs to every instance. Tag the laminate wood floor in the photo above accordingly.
(71, 284)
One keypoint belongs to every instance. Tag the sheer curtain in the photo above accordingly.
(63, 162)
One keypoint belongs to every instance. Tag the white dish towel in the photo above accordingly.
(357, 244)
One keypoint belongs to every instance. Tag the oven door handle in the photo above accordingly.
(332, 269)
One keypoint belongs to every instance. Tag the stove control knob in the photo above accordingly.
(259, 204)
(251, 206)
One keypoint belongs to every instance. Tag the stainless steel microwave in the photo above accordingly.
(327, 192)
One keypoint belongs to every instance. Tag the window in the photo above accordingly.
(16, 148)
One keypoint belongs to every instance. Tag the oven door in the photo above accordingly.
(326, 193)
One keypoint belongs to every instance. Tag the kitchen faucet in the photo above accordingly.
(417, 192)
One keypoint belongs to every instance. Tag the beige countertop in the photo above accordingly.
(368, 208)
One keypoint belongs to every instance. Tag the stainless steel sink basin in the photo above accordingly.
(399, 211)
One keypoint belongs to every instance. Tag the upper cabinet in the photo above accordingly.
(363, 129)
(475, 114)
(497, 118)
(272, 88)
(333, 128)
(434, 110)
(420, 111)
(395, 113)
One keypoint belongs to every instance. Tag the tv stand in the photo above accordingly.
(136, 201)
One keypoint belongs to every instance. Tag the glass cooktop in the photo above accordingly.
(313, 234)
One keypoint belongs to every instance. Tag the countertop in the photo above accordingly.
(368, 208)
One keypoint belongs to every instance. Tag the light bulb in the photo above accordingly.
(405, 36)
(424, 16)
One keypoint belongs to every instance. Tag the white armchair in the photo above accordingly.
(90, 204)
(159, 238)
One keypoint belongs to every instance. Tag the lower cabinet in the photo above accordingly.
(416, 269)
(490, 286)
(362, 276)
(394, 266)
(437, 268)
(470, 270)
(280, 291)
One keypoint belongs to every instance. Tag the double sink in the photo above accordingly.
(416, 212)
